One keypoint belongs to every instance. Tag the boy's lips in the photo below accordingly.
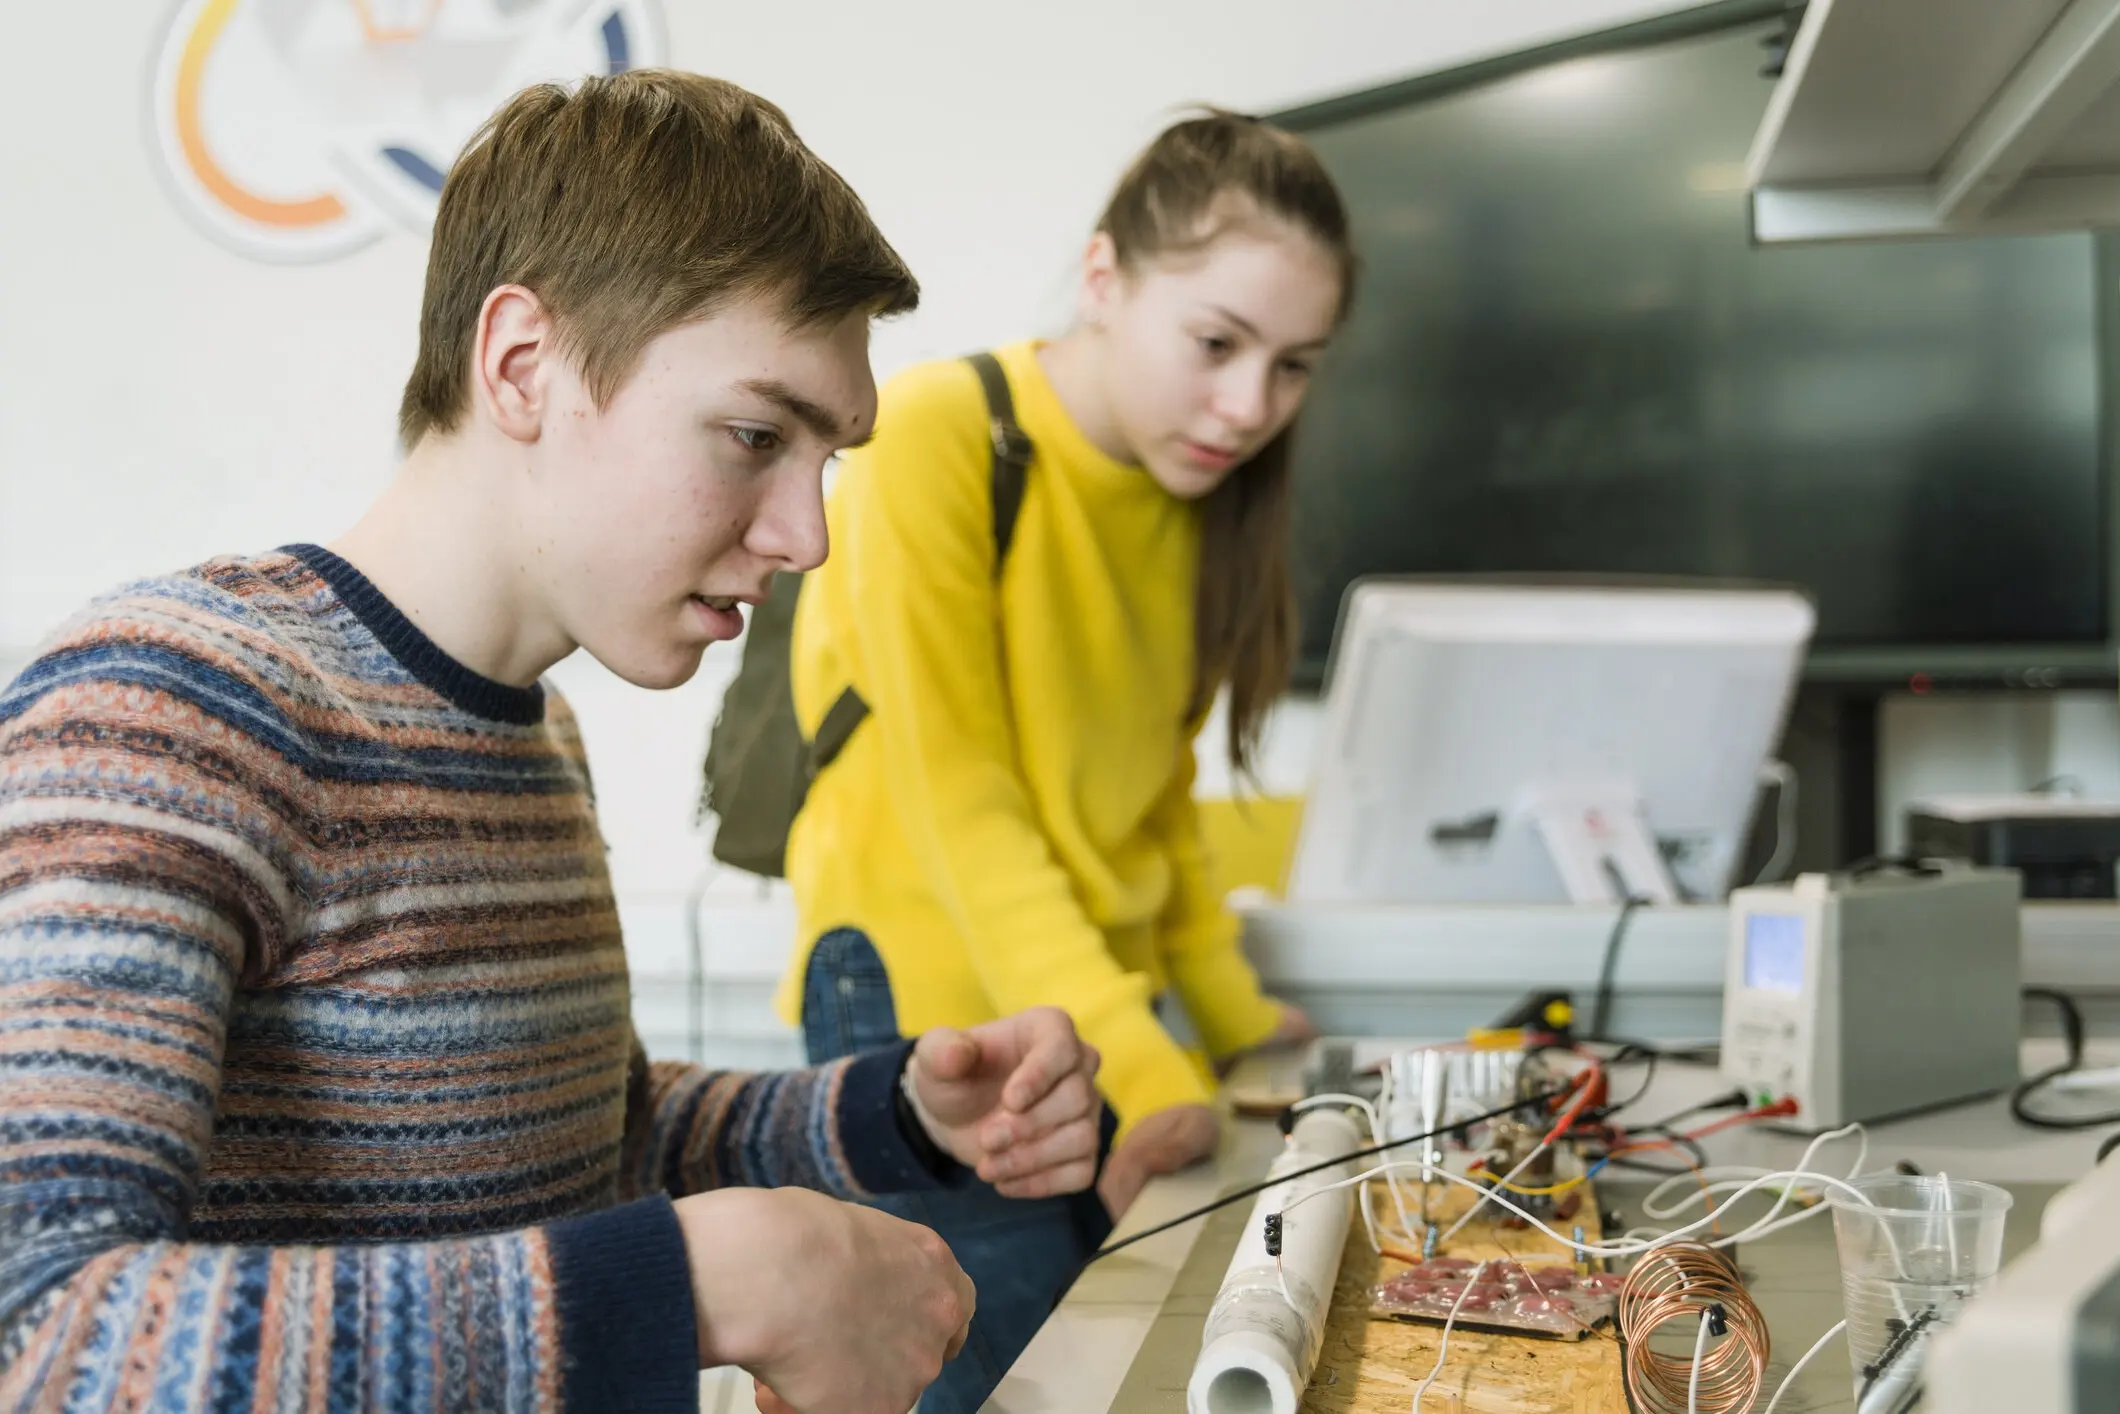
(720, 615)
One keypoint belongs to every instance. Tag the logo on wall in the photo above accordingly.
(297, 130)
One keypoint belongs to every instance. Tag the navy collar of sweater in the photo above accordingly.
(476, 693)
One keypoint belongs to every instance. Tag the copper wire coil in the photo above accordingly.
(1680, 1282)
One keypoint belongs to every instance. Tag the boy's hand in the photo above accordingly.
(857, 1309)
(1014, 1100)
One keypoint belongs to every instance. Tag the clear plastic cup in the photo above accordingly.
(1912, 1250)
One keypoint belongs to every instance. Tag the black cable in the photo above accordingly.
(2072, 1041)
(2105, 1150)
(1887, 863)
(1257, 1188)
(1614, 1143)
(1628, 1051)
(1699, 1053)
(1606, 1144)
(1692, 1148)
(1694, 1151)
(1601, 1007)
(1633, 1051)
(1735, 1099)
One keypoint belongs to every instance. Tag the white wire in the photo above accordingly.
(1797, 1368)
(1376, 1136)
(1762, 1227)
(1704, 1188)
(1629, 1245)
(1702, 1183)
(1387, 1096)
(1595, 1249)
(1505, 1180)
(1950, 1227)
(1443, 1350)
(1771, 1223)
(1759, 1228)
(1369, 1111)
(1700, 1351)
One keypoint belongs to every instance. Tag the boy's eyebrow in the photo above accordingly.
(809, 414)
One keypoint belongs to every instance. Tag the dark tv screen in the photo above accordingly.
(1569, 356)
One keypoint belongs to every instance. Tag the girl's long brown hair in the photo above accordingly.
(1245, 628)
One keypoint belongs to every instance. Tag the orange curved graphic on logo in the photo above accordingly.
(191, 74)
(385, 32)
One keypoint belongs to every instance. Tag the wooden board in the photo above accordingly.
(1373, 1367)
(1369, 1366)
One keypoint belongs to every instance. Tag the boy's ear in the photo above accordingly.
(510, 359)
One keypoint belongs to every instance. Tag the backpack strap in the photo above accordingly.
(840, 719)
(1008, 472)
(1011, 453)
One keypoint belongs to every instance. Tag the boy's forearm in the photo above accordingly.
(833, 1128)
(590, 1313)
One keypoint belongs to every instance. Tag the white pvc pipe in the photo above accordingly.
(1268, 1321)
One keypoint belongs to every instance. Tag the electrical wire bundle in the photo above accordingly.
(1674, 1278)
(1731, 1185)
(1619, 1144)
(1692, 1282)
(1252, 1190)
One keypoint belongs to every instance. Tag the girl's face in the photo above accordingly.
(1207, 354)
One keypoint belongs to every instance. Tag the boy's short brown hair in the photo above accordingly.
(632, 204)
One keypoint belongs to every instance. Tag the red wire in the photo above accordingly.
(1576, 1105)
(1778, 1110)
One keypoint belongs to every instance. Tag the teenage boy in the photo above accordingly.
(317, 1083)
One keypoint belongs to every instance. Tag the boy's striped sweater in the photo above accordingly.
(317, 1083)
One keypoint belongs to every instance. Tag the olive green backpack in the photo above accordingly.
(759, 768)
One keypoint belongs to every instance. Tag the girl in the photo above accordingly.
(1016, 824)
